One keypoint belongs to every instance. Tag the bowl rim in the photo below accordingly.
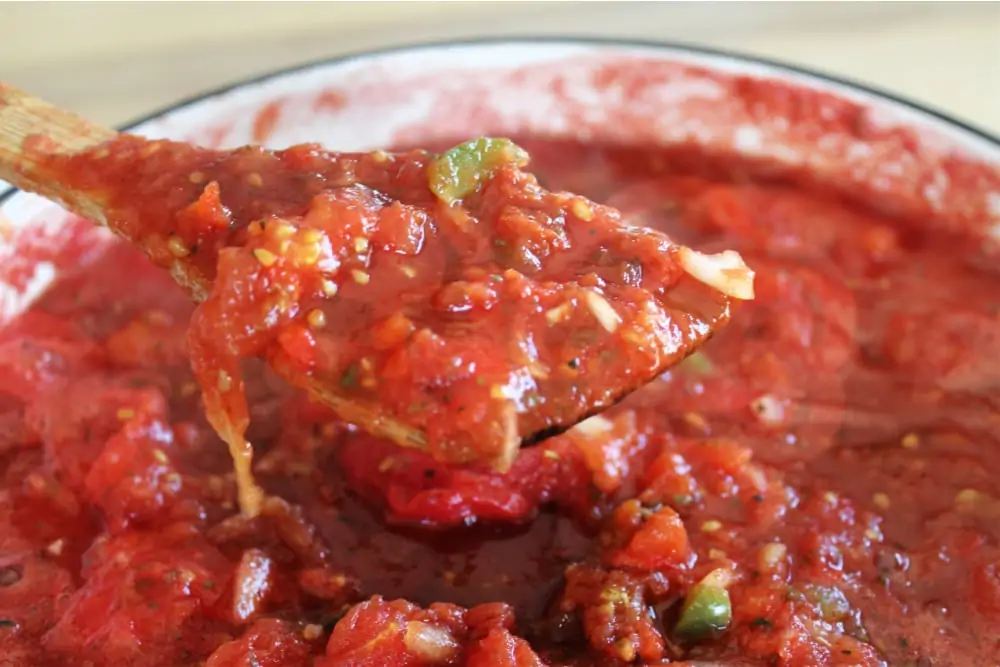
(568, 40)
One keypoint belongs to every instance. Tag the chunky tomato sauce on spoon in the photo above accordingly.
(450, 294)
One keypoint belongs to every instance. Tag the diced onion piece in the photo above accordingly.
(557, 314)
(430, 643)
(772, 555)
(56, 547)
(251, 585)
(720, 578)
(498, 392)
(602, 310)
(968, 496)
(725, 271)
(594, 426)
(538, 370)
(768, 409)
(511, 438)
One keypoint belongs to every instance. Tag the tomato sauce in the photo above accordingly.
(445, 301)
(815, 486)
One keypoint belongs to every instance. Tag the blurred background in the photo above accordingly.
(118, 61)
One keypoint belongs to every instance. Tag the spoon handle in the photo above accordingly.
(30, 129)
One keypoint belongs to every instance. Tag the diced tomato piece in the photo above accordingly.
(609, 448)
(142, 592)
(502, 649)
(205, 213)
(134, 479)
(417, 489)
(655, 542)
(616, 619)
(401, 228)
(39, 352)
(76, 422)
(267, 643)
(380, 632)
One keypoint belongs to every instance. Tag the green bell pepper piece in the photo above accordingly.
(706, 611)
(460, 171)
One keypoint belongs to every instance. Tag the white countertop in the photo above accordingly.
(117, 61)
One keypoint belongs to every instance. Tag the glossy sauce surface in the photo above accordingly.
(446, 301)
(833, 452)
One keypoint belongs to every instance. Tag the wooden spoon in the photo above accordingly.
(654, 302)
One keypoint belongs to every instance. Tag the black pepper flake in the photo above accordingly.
(758, 498)
(429, 473)
(573, 363)
(761, 622)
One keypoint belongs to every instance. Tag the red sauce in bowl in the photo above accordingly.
(446, 301)
(817, 486)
